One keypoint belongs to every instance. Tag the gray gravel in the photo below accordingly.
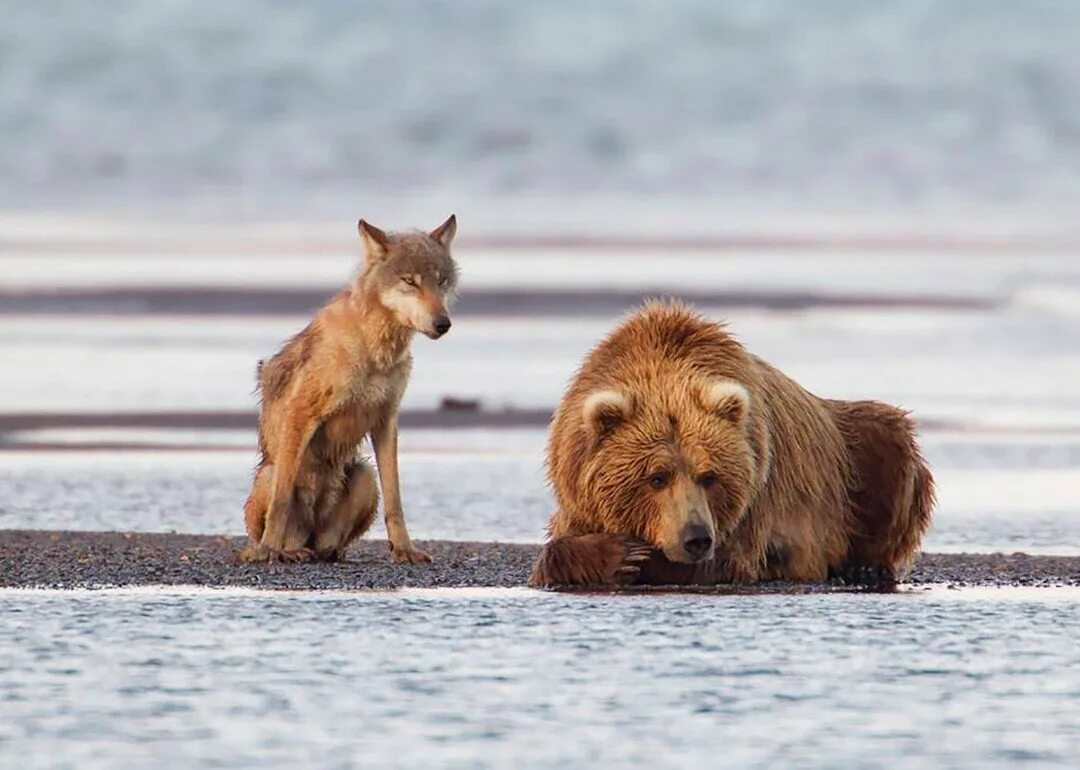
(39, 558)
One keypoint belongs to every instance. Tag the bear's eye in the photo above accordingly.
(659, 480)
(707, 479)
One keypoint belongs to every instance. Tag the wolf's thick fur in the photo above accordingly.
(337, 381)
(678, 457)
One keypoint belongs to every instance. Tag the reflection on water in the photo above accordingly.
(490, 679)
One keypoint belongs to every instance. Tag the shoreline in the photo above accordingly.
(80, 560)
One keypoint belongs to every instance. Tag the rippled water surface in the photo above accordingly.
(501, 678)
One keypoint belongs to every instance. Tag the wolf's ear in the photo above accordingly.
(376, 242)
(725, 398)
(445, 232)
(603, 411)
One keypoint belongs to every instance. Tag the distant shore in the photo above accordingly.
(61, 559)
(503, 302)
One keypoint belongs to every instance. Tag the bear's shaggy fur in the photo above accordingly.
(678, 457)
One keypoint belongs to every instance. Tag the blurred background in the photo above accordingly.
(879, 197)
(279, 110)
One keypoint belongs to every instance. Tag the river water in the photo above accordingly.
(499, 678)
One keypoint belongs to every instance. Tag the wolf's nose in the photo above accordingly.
(696, 540)
(441, 325)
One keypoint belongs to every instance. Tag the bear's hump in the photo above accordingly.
(663, 333)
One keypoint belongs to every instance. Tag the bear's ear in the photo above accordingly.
(603, 410)
(727, 399)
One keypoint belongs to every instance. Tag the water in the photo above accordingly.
(492, 487)
(501, 678)
(523, 678)
(264, 107)
(995, 384)
(180, 678)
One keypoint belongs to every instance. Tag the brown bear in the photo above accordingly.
(677, 457)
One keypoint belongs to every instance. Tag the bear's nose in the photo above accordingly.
(442, 325)
(696, 540)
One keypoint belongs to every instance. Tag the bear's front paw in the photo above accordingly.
(636, 553)
(596, 559)
(880, 577)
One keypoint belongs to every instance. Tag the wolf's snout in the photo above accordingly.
(697, 541)
(441, 325)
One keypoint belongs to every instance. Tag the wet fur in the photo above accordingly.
(338, 380)
(808, 488)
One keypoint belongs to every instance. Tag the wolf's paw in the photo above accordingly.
(409, 556)
(295, 555)
(252, 555)
(330, 555)
(256, 554)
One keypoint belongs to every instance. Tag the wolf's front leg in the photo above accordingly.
(384, 440)
(290, 513)
(288, 540)
(596, 559)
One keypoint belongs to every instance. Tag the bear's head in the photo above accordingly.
(672, 466)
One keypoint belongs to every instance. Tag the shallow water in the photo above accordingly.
(997, 493)
(494, 678)
(475, 679)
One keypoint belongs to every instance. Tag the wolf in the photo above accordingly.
(341, 379)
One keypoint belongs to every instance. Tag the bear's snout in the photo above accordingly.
(697, 541)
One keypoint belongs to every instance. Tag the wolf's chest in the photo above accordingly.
(371, 392)
(361, 408)
(342, 432)
(377, 390)
(375, 387)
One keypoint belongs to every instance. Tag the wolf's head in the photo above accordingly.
(412, 275)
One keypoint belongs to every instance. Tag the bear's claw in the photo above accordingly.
(637, 553)
(878, 577)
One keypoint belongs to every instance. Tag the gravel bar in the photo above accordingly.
(54, 559)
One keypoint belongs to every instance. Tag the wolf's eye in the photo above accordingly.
(444, 282)
(659, 480)
(708, 479)
(409, 281)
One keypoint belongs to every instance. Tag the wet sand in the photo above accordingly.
(48, 559)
